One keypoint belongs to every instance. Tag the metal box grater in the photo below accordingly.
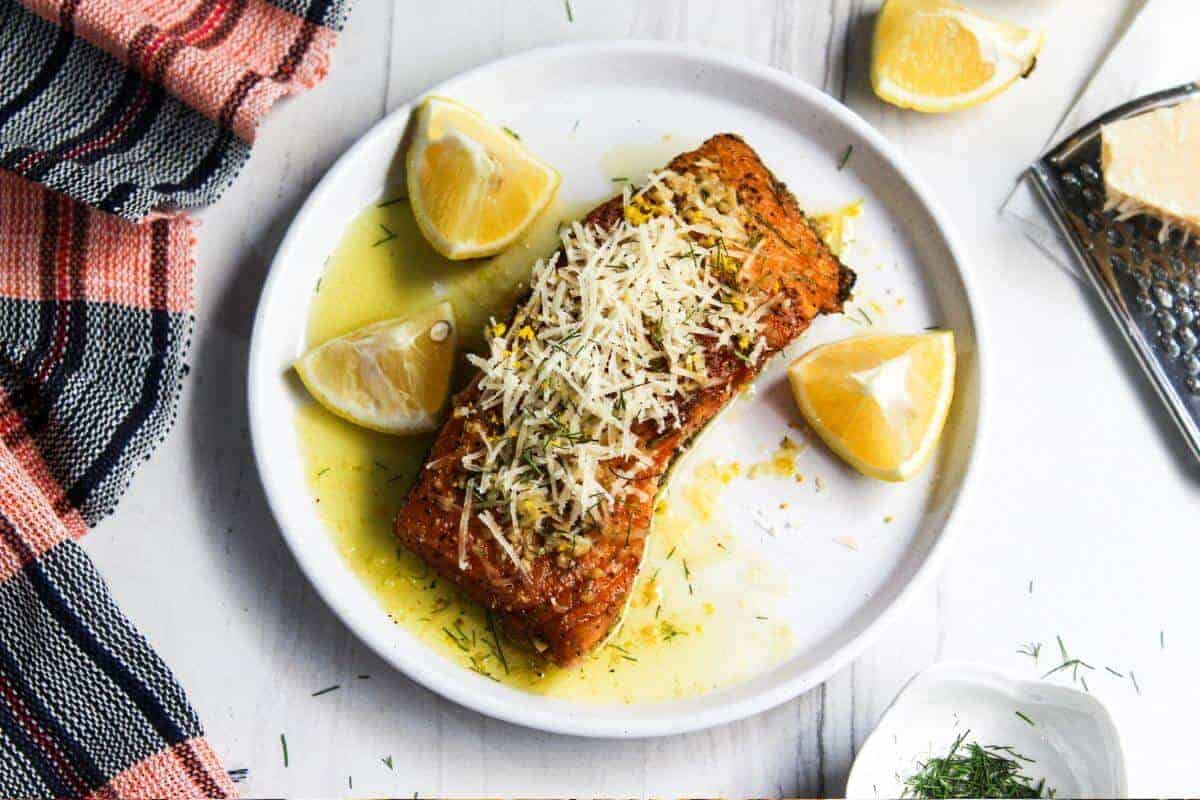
(1149, 284)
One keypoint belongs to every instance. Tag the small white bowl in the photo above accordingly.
(1072, 739)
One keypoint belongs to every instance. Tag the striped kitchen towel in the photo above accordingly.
(115, 115)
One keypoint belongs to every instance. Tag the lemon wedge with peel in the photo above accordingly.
(392, 376)
(878, 401)
(936, 55)
(474, 188)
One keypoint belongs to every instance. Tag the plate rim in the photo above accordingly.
(667, 721)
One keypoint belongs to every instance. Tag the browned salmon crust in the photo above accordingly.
(567, 611)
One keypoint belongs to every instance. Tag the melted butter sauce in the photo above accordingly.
(701, 611)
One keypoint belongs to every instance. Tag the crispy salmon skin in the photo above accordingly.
(565, 608)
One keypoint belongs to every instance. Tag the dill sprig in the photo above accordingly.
(389, 234)
(1072, 664)
(973, 770)
(845, 157)
(499, 648)
(1032, 649)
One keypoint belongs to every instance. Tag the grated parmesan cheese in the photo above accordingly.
(616, 331)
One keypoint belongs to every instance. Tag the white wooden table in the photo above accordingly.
(1083, 489)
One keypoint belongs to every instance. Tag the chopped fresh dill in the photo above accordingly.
(327, 690)
(845, 157)
(387, 760)
(620, 180)
(866, 316)
(1112, 671)
(322, 471)
(973, 770)
(1072, 664)
(392, 202)
(317, 288)
(1033, 650)
(283, 745)
(511, 132)
(1023, 716)
(499, 647)
(625, 654)
(570, 13)
(1162, 642)
(389, 235)
(364, 677)
(1133, 678)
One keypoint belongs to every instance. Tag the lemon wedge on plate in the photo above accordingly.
(392, 376)
(474, 188)
(935, 55)
(878, 401)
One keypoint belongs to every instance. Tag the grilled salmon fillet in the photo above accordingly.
(565, 609)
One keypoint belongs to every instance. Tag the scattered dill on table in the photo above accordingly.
(1025, 717)
(283, 745)
(1072, 664)
(1033, 650)
(327, 690)
(973, 770)
(570, 13)
(388, 761)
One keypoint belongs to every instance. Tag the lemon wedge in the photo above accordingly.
(474, 188)
(878, 401)
(935, 55)
(392, 376)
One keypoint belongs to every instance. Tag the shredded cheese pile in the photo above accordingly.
(614, 334)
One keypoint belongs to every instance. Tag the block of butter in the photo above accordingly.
(1151, 165)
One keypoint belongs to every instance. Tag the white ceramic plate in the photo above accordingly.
(1073, 739)
(582, 107)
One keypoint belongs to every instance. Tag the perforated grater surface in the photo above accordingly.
(1150, 284)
